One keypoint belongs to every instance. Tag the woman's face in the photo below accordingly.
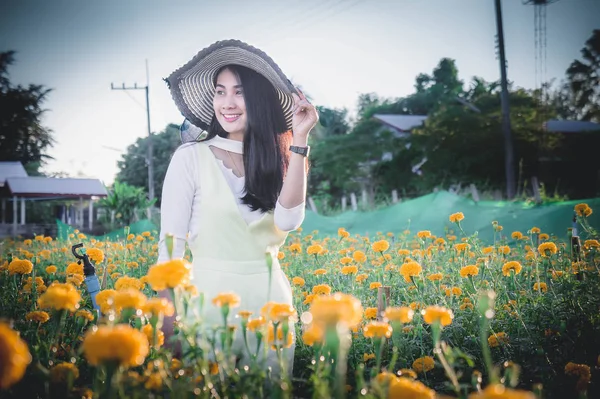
(229, 104)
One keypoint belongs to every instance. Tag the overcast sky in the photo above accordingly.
(335, 49)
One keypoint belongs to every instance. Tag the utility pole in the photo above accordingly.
(149, 155)
(509, 157)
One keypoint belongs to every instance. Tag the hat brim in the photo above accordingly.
(192, 86)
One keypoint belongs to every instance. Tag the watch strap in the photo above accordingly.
(304, 151)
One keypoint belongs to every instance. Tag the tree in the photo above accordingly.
(125, 200)
(133, 166)
(22, 136)
(584, 79)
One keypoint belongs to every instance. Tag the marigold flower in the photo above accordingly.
(402, 314)
(227, 298)
(456, 217)
(456, 291)
(547, 249)
(349, 270)
(499, 391)
(540, 287)
(255, 324)
(14, 356)
(516, 235)
(423, 364)
(504, 249)
(321, 289)
(591, 244)
(170, 274)
(51, 269)
(433, 314)
(466, 305)
(582, 371)
(361, 277)
(470, 270)
(39, 283)
(85, 314)
(410, 269)
(38, 315)
(377, 329)
(297, 248)
(320, 272)
(583, 210)
(544, 237)
(359, 256)
(313, 335)
(62, 372)
(343, 233)
(314, 249)
(370, 313)
(60, 296)
(495, 340)
(244, 315)
(435, 277)
(299, 281)
(121, 343)
(271, 337)
(346, 260)
(535, 230)
(512, 265)
(380, 246)
(338, 308)
(105, 300)
(368, 356)
(403, 252)
(74, 268)
(20, 266)
(407, 388)
(95, 254)
(374, 285)
(277, 312)
(149, 331)
(129, 298)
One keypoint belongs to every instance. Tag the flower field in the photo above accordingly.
(399, 314)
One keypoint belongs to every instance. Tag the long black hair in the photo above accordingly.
(266, 140)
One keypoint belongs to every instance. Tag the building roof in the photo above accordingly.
(11, 169)
(560, 126)
(55, 187)
(403, 123)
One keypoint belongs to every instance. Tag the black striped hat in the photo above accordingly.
(192, 86)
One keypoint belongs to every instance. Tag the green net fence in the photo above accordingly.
(429, 212)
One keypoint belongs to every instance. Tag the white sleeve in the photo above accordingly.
(179, 188)
(289, 219)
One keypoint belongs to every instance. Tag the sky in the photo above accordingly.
(334, 49)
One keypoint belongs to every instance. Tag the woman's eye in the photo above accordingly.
(239, 92)
(220, 92)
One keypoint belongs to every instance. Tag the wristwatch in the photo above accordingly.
(300, 150)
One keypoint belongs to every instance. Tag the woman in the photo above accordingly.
(237, 193)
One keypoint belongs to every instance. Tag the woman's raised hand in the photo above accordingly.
(305, 115)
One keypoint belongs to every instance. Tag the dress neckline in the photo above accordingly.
(234, 146)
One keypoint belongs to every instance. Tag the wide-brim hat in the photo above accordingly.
(192, 86)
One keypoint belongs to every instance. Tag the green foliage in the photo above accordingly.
(22, 136)
(133, 168)
(584, 79)
(125, 200)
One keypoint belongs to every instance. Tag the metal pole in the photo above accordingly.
(508, 142)
(150, 144)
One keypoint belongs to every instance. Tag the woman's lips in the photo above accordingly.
(231, 117)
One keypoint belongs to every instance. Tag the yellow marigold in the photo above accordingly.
(343, 233)
(499, 391)
(504, 249)
(547, 249)
(535, 230)
(410, 269)
(314, 249)
(63, 372)
(227, 298)
(512, 265)
(368, 356)
(423, 364)
(51, 269)
(346, 260)
(540, 287)
(256, 324)
(456, 217)
(38, 316)
(121, 343)
(169, 274)
(330, 310)
(349, 270)
(402, 314)
(297, 248)
(60, 296)
(299, 281)
(14, 356)
(85, 314)
(487, 250)
(361, 277)
(74, 268)
(461, 246)
(470, 270)
(95, 254)
(321, 289)
(105, 300)
(129, 298)
(39, 283)
(380, 246)
(456, 291)
(495, 340)
(407, 388)
(313, 335)
(27, 242)
(433, 314)
(544, 237)
(320, 272)
(359, 256)
(582, 371)
(403, 252)
(128, 282)
(374, 285)
(271, 337)
(277, 312)
(466, 305)
(435, 277)
(280, 255)
(20, 266)
(424, 234)
(377, 329)
(516, 235)
(146, 234)
(591, 244)
(149, 332)
(159, 306)
(583, 210)
(370, 313)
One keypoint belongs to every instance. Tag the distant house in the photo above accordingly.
(17, 187)
(401, 126)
